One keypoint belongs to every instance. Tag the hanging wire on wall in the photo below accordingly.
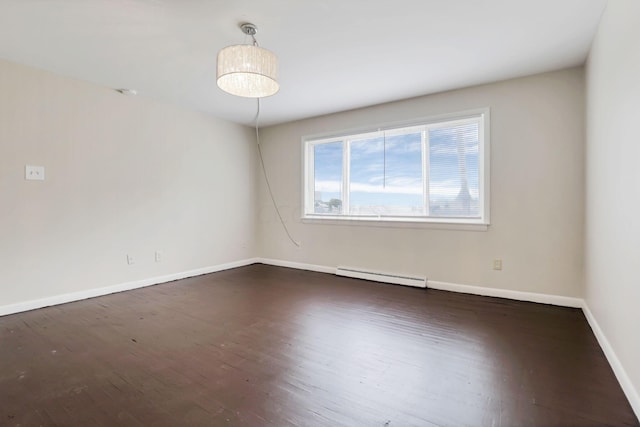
(266, 177)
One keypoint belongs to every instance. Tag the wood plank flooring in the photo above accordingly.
(270, 346)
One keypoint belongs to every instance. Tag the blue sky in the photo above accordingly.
(388, 170)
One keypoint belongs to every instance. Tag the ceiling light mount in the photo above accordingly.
(249, 29)
(248, 70)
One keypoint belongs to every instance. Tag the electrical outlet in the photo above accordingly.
(158, 256)
(130, 259)
(34, 173)
(497, 264)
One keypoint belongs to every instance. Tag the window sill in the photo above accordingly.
(443, 224)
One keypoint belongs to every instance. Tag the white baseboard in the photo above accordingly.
(619, 371)
(297, 265)
(382, 276)
(454, 287)
(96, 292)
(506, 293)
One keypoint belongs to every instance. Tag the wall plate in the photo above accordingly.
(34, 173)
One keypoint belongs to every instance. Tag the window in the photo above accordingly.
(432, 171)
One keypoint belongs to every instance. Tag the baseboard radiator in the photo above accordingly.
(377, 276)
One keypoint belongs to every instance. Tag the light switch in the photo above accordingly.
(34, 172)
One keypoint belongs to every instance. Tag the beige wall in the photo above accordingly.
(612, 253)
(537, 193)
(124, 175)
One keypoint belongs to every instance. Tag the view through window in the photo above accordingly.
(430, 171)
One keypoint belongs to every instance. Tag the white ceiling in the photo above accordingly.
(334, 55)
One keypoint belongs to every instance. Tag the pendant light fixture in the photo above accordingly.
(248, 70)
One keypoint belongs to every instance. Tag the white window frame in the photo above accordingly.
(482, 116)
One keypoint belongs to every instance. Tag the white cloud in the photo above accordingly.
(397, 144)
(448, 189)
(389, 188)
(328, 186)
(452, 150)
(400, 186)
(467, 134)
(441, 189)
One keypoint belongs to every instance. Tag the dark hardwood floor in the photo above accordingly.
(269, 346)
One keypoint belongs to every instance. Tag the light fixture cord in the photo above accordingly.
(266, 178)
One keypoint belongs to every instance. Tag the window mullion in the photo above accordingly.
(482, 187)
(346, 178)
(310, 178)
(425, 170)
